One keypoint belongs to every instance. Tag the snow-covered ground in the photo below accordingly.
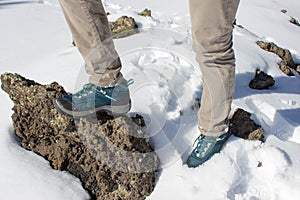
(36, 43)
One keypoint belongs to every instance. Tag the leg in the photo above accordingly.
(107, 90)
(91, 32)
(212, 25)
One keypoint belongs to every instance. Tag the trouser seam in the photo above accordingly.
(92, 21)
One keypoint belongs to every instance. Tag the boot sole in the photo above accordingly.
(110, 109)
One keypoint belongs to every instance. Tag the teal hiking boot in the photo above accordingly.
(205, 147)
(92, 99)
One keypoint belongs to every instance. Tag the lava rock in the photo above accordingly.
(145, 13)
(109, 155)
(241, 125)
(287, 63)
(261, 81)
(123, 27)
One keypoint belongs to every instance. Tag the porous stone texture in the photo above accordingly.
(123, 27)
(108, 154)
(261, 81)
(287, 63)
(241, 125)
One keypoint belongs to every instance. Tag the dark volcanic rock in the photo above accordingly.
(261, 81)
(109, 155)
(241, 125)
(284, 11)
(123, 27)
(287, 63)
(294, 21)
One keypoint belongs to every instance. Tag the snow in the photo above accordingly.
(36, 43)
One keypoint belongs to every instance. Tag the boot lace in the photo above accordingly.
(203, 144)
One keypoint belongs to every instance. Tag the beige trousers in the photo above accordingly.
(212, 35)
(212, 26)
(91, 32)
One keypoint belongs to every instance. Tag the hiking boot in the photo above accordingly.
(205, 147)
(91, 99)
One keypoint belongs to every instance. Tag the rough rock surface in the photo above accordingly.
(109, 155)
(241, 125)
(287, 63)
(123, 27)
(261, 81)
(145, 13)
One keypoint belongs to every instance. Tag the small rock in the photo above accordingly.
(241, 125)
(285, 68)
(259, 164)
(145, 13)
(284, 11)
(287, 63)
(123, 27)
(294, 21)
(261, 81)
